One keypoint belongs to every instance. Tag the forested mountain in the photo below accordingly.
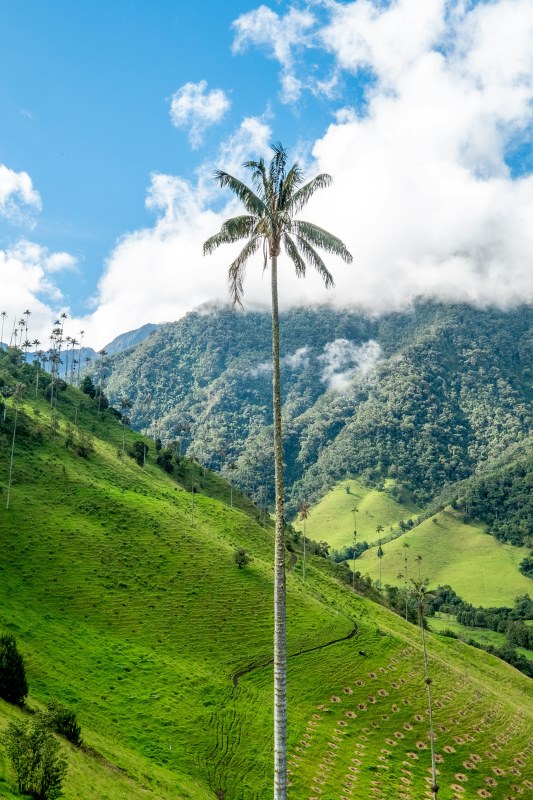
(426, 395)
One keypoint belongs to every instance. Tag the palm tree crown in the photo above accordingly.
(277, 196)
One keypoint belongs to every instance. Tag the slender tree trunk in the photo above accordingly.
(434, 788)
(10, 480)
(280, 637)
(305, 531)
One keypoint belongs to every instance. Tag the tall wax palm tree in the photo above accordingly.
(125, 405)
(82, 334)
(380, 552)
(17, 397)
(304, 516)
(421, 596)
(277, 195)
(355, 511)
(3, 314)
(101, 353)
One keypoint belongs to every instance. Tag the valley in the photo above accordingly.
(119, 582)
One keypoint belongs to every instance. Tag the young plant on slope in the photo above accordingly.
(278, 194)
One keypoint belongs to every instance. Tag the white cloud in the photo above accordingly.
(196, 108)
(422, 194)
(17, 195)
(24, 275)
(342, 359)
(297, 360)
(280, 36)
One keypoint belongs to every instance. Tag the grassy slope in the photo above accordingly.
(331, 519)
(136, 617)
(480, 569)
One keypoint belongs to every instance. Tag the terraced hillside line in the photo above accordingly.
(253, 667)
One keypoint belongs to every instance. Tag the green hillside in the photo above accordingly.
(481, 569)
(128, 607)
(332, 519)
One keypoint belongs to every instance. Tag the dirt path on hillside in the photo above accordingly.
(263, 664)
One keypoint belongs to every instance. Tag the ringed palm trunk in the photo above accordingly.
(10, 480)
(280, 647)
(434, 787)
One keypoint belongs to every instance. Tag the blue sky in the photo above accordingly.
(114, 115)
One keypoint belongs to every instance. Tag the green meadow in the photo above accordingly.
(332, 518)
(121, 589)
(482, 570)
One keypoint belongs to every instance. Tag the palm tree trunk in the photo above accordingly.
(434, 787)
(10, 479)
(305, 531)
(280, 644)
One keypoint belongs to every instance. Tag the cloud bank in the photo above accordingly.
(425, 195)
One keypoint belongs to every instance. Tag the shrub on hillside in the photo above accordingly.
(164, 459)
(36, 758)
(13, 683)
(138, 451)
(241, 557)
(87, 386)
(62, 721)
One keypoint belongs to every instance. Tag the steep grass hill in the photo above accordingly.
(482, 570)
(332, 518)
(128, 607)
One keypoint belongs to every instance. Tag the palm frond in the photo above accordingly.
(294, 255)
(259, 178)
(231, 231)
(322, 238)
(252, 203)
(237, 270)
(277, 168)
(316, 262)
(302, 196)
(292, 180)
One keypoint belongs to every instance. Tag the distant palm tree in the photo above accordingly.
(355, 511)
(82, 334)
(419, 561)
(380, 552)
(406, 577)
(269, 224)
(101, 353)
(304, 515)
(421, 596)
(17, 396)
(27, 314)
(125, 405)
(3, 314)
(41, 357)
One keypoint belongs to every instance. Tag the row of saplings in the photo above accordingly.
(33, 749)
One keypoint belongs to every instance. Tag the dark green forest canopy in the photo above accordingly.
(449, 390)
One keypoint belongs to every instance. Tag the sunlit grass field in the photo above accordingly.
(480, 569)
(332, 518)
(128, 607)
